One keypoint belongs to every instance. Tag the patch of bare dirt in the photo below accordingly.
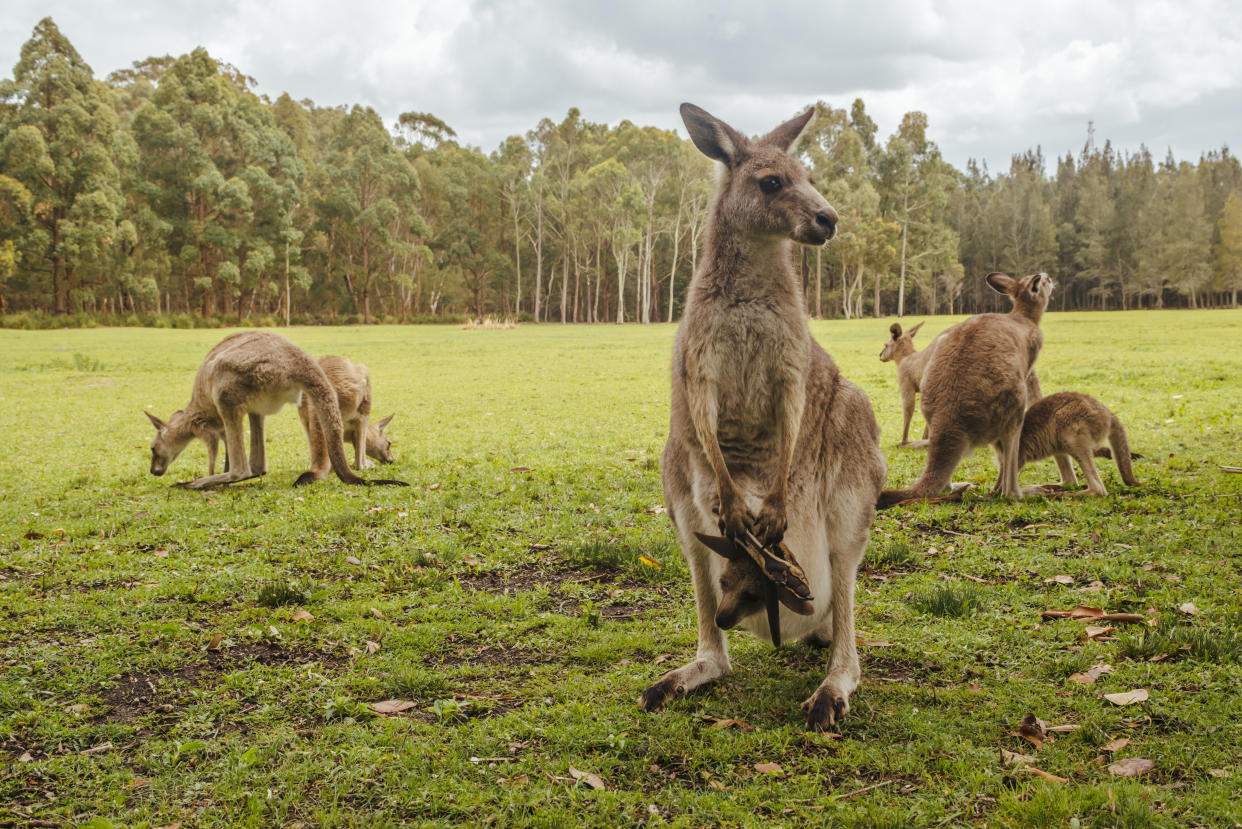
(136, 695)
(615, 596)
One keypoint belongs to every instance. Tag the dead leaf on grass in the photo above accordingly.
(1031, 729)
(590, 778)
(1062, 579)
(1131, 767)
(651, 562)
(874, 644)
(392, 706)
(372, 647)
(78, 709)
(33, 535)
(376, 612)
(99, 749)
(1188, 608)
(1013, 758)
(1115, 745)
(1128, 697)
(1062, 729)
(352, 560)
(302, 616)
(214, 643)
(161, 553)
(1096, 631)
(768, 768)
(718, 722)
(1092, 674)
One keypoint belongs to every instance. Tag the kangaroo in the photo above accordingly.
(249, 374)
(1075, 424)
(766, 439)
(977, 385)
(352, 383)
(910, 366)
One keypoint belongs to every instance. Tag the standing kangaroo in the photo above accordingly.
(910, 366)
(352, 383)
(765, 436)
(1075, 424)
(250, 374)
(977, 386)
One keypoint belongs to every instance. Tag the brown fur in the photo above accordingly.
(764, 432)
(352, 383)
(1075, 424)
(911, 363)
(976, 388)
(248, 375)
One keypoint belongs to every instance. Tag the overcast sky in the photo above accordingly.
(994, 78)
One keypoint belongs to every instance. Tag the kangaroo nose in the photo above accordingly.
(827, 219)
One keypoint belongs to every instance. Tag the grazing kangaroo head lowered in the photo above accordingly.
(768, 444)
(379, 445)
(173, 436)
(900, 345)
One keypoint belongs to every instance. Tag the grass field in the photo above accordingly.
(207, 659)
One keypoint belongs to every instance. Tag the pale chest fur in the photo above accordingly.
(750, 358)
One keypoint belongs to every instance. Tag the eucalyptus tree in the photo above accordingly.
(56, 139)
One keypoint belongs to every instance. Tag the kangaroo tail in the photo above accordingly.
(1121, 452)
(327, 410)
(944, 453)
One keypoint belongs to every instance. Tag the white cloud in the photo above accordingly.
(993, 79)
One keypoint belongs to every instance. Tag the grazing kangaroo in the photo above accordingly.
(352, 383)
(910, 366)
(249, 374)
(766, 439)
(1075, 424)
(977, 385)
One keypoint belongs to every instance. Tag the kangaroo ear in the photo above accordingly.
(1001, 283)
(155, 421)
(895, 330)
(382, 424)
(785, 137)
(723, 547)
(914, 330)
(714, 138)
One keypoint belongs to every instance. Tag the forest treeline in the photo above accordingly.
(173, 190)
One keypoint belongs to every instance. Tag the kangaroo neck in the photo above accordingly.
(739, 267)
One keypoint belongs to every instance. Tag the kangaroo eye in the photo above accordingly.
(770, 184)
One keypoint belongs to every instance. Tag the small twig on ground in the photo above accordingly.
(865, 789)
(1237, 470)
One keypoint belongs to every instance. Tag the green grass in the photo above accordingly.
(505, 596)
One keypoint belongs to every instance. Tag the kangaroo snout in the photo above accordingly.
(827, 220)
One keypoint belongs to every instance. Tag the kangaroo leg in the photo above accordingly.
(213, 448)
(1068, 478)
(831, 700)
(317, 442)
(907, 412)
(945, 451)
(711, 660)
(1007, 458)
(1095, 486)
(235, 443)
(360, 444)
(258, 448)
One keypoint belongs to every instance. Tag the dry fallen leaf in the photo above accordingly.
(1051, 778)
(1188, 608)
(372, 647)
(78, 709)
(1131, 767)
(302, 616)
(214, 643)
(768, 768)
(1031, 729)
(352, 560)
(651, 562)
(1013, 758)
(161, 553)
(176, 825)
(1059, 580)
(99, 749)
(25, 758)
(718, 722)
(521, 469)
(1128, 697)
(1115, 745)
(376, 612)
(587, 777)
(1095, 631)
(392, 706)
(1062, 729)
(1092, 674)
